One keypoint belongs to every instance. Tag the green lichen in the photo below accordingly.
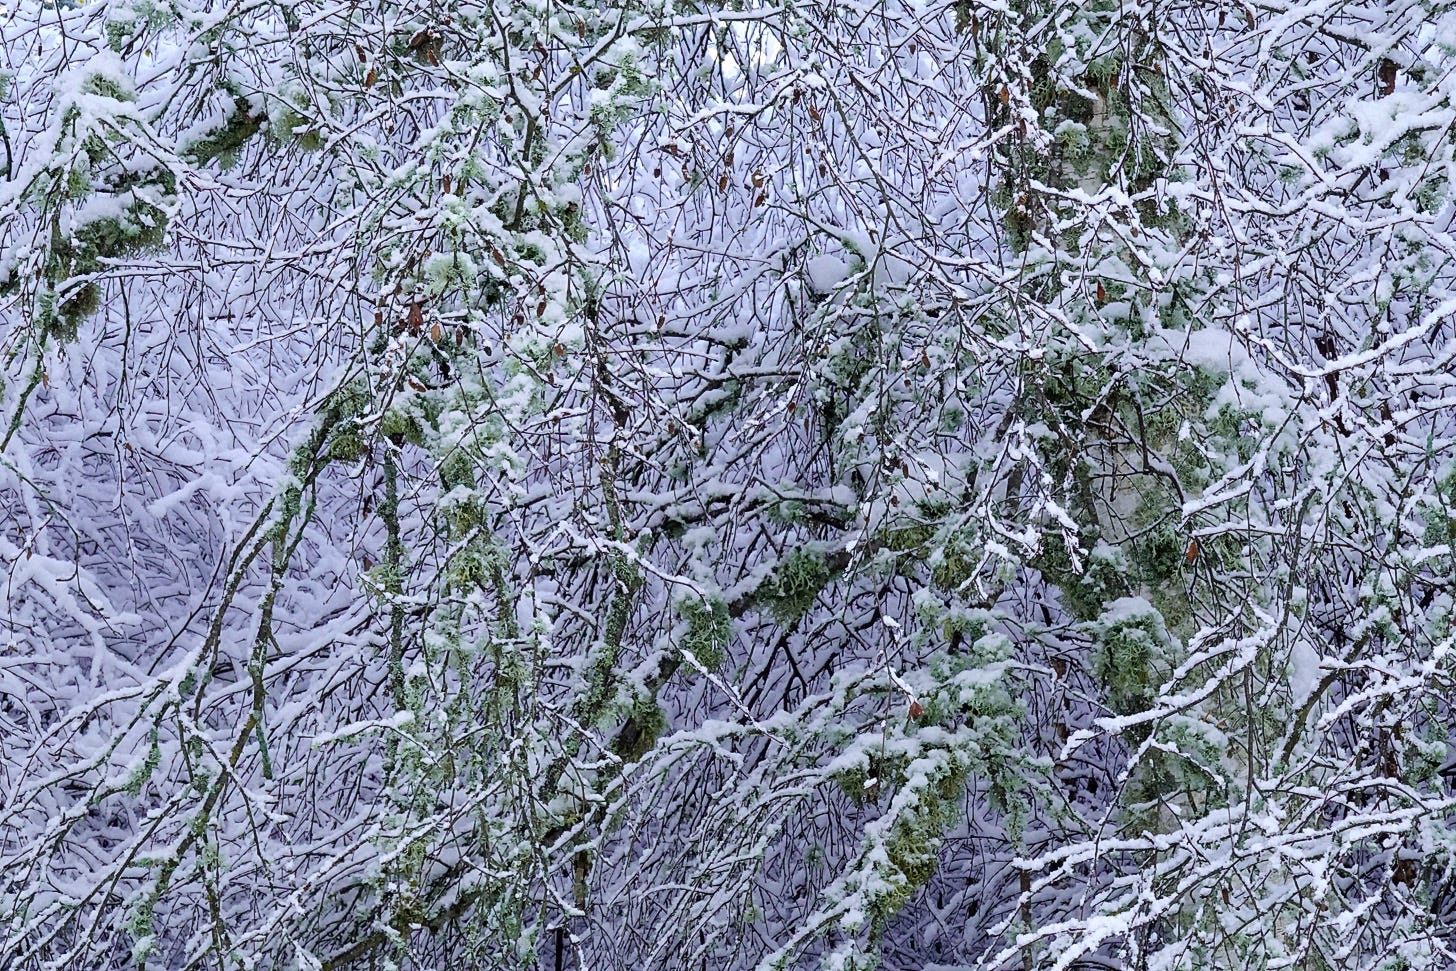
(139, 776)
(399, 424)
(446, 272)
(291, 121)
(708, 629)
(223, 143)
(646, 723)
(347, 444)
(479, 564)
(67, 298)
(791, 589)
(913, 846)
(457, 470)
(1131, 658)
